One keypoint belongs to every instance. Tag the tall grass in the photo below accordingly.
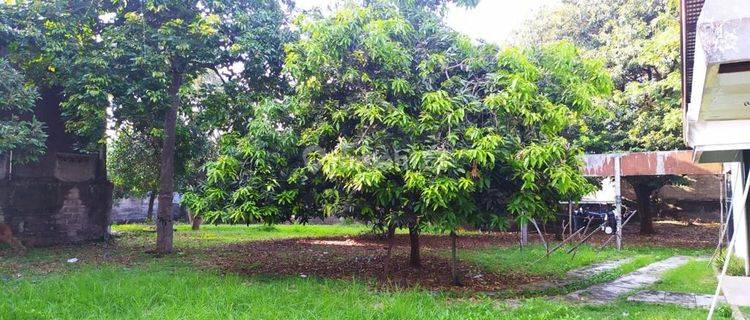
(171, 290)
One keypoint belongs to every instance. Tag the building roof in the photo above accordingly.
(690, 10)
(654, 163)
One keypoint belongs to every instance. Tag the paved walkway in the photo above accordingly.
(688, 300)
(608, 292)
(577, 275)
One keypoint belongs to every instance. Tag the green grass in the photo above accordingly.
(697, 276)
(736, 264)
(45, 287)
(168, 289)
(210, 235)
(528, 262)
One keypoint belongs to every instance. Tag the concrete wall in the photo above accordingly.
(136, 209)
(44, 212)
(700, 188)
(63, 197)
(739, 209)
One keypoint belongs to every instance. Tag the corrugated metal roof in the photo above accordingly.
(655, 163)
(690, 11)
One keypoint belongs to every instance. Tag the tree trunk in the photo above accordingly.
(391, 236)
(151, 200)
(456, 281)
(164, 231)
(195, 223)
(643, 196)
(414, 258)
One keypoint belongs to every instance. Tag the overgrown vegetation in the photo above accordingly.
(399, 121)
(170, 290)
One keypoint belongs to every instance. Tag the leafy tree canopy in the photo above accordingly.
(639, 41)
(20, 133)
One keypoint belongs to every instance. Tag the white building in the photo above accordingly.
(716, 96)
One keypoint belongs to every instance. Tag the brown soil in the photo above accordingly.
(364, 258)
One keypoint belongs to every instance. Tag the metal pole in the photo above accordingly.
(541, 235)
(524, 233)
(618, 203)
(740, 218)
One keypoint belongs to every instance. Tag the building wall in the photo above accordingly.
(62, 198)
(136, 209)
(700, 188)
(45, 212)
(739, 209)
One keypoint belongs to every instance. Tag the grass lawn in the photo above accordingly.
(511, 259)
(42, 285)
(224, 234)
(169, 289)
(527, 262)
(697, 276)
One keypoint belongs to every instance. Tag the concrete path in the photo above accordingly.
(577, 275)
(608, 292)
(688, 300)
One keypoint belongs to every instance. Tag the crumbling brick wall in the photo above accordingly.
(44, 212)
(64, 196)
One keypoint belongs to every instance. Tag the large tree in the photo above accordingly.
(157, 51)
(361, 75)
(413, 119)
(133, 162)
(639, 41)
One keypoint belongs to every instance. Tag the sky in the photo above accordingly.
(492, 20)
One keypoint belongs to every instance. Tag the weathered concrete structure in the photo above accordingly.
(62, 198)
(136, 210)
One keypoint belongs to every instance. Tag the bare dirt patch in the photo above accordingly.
(363, 258)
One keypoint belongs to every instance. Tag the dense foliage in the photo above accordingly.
(400, 121)
(377, 111)
(155, 65)
(259, 176)
(20, 133)
(640, 43)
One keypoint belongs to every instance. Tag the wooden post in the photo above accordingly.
(618, 203)
(524, 233)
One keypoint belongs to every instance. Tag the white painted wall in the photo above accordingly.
(738, 208)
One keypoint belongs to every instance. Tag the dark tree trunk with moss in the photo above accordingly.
(164, 223)
(643, 197)
(151, 200)
(391, 237)
(644, 187)
(455, 275)
(414, 259)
